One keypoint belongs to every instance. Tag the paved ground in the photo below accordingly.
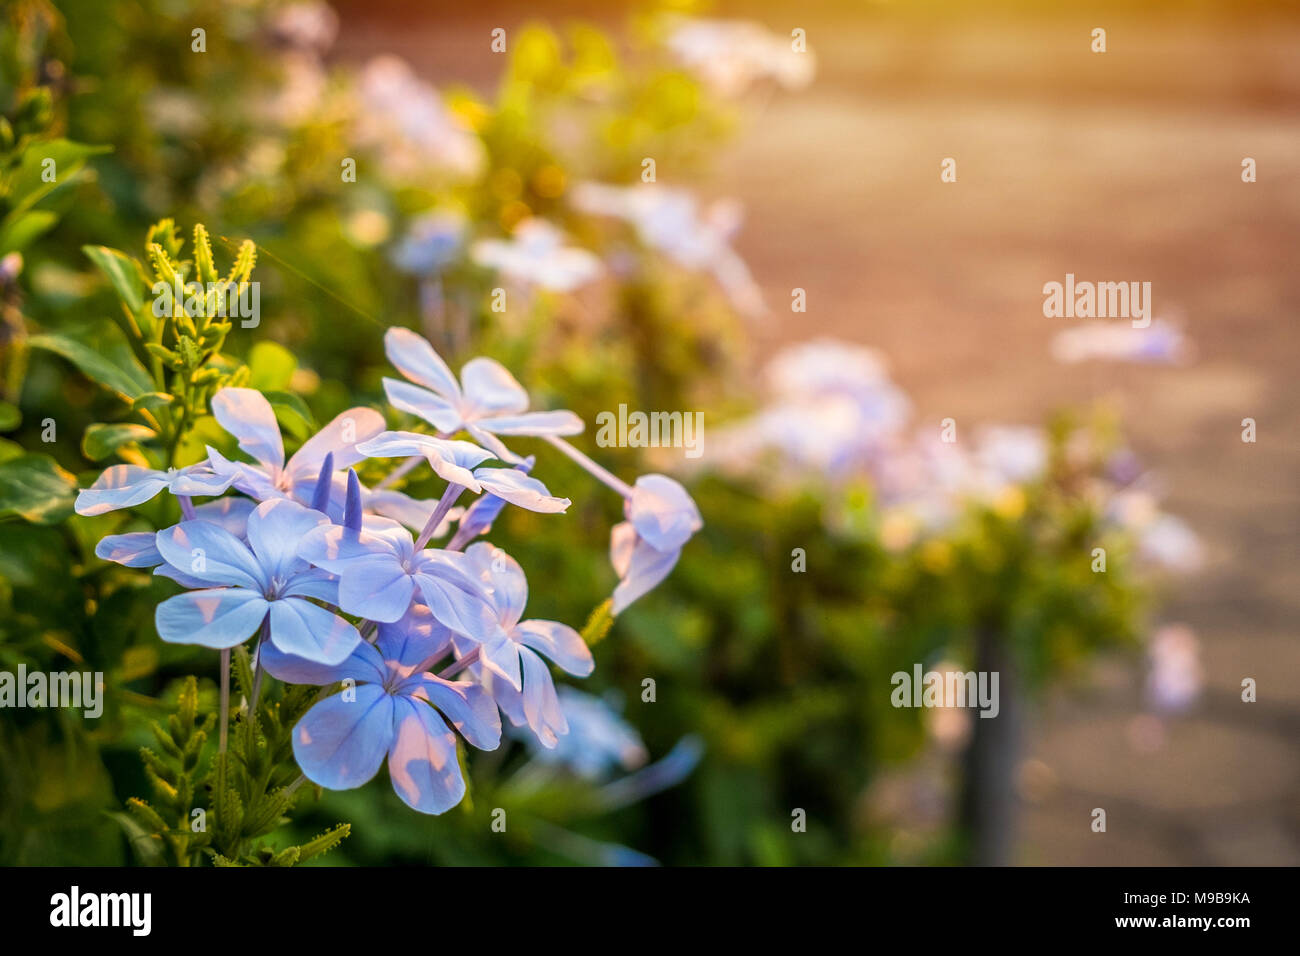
(1117, 166)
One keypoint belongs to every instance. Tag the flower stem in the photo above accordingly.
(225, 698)
(605, 477)
(460, 665)
(187, 507)
(444, 505)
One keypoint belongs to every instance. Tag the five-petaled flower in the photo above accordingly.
(264, 580)
(390, 706)
(486, 402)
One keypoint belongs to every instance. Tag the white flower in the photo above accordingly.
(670, 221)
(405, 120)
(536, 255)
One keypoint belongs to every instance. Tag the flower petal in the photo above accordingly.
(364, 665)
(534, 423)
(121, 486)
(561, 643)
(275, 532)
(468, 706)
(520, 490)
(210, 553)
(307, 630)
(455, 603)
(415, 358)
(451, 460)
(253, 480)
(340, 438)
(490, 389)
(663, 513)
(137, 549)
(640, 566)
(437, 411)
(246, 414)
(541, 706)
(341, 742)
(422, 758)
(499, 575)
(215, 617)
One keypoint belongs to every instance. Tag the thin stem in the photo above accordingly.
(368, 630)
(460, 665)
(605, 477)
(187, 507)
(225, 698)
(256, 692)
(293, 787)
(444, 505)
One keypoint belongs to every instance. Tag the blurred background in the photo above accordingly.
(1123, 165)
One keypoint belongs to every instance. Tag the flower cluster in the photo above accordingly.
(427, 642)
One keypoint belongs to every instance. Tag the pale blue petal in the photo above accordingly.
(216, 617)
(307, 630)
(468, 706)
(541, 706)
(413, 639)
(422, 758)
(452, 460)
(340, 437)
(534, 423)
(275, 532)
(313, 583)
(500, 655)
(138, 549)
(500, 577)
(246, 414)
(340, 744)
(199, 481)
(663, 513)
(253, 480)
(640, 566)
(491, 390)
(210, 553)
(520, 490)
(363, 665)
(422, 403)
(415, 358)
(121, 486)
(230, 513)
(561, 643)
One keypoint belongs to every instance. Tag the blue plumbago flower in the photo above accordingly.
(486, 402)
(432, 242)
(453, 461)
(662, 517)
(528, 694)
(536, 255)
(390, 706)
(124, 486)
(247, 584)
(246, 414)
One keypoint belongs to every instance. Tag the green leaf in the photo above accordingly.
(123, 272)
(152, 400)
(18, 233)
(36, 489)
(292, 413)
(270, 366)
(102, 440)
(125, 375)
(10, 416)
(29, 186)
